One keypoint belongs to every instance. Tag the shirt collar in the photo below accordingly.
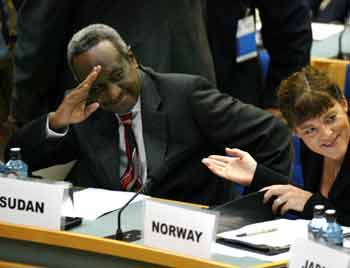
(135, 110)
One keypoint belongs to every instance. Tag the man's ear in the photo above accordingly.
(131, 56)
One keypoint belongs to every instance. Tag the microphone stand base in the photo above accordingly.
(129, 236)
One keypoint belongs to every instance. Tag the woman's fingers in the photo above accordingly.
(277, 203)
(235, 152)
(220, 158)
(275, 190)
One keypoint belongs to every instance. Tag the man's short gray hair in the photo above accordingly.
(89, 37)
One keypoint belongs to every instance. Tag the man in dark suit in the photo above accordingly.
(169, 36)
(177, 120)
(330, 11)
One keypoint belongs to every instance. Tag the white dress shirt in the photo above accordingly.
(136, 127)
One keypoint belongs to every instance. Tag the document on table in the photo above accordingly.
(92, 203)
(271, 234)
(269, 237)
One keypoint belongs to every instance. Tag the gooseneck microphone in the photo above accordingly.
(173, 163)
(134, 234)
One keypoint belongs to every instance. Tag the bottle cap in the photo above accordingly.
(318, 210)
(319, 207)
(330, 214)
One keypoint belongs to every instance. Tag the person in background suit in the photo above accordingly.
(7, 44)
(317, 111)
(174, 116)
(286, 35)
(330, 11)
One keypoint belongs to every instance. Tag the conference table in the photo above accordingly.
(85, 246)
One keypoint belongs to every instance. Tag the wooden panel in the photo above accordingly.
(335, 69)
(103, 246)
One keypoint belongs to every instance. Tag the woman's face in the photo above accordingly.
(329, 133)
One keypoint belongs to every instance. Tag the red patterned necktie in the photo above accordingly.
(131, 179)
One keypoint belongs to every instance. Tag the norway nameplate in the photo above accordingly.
(178, 229)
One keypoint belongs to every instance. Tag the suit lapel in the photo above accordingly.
(106, 149)
(153, 124)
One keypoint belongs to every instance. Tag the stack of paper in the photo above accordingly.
(92, 203)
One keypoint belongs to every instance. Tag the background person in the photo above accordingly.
(330, 11)
(286, 35)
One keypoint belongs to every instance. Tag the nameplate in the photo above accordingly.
(309, 254)
(31, 202)
(178, 229)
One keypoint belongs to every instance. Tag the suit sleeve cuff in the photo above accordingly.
(315, 199)
(264, 176)
(51, 134)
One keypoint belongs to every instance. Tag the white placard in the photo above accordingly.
(31, 202)
(178, 229)
(307, 254)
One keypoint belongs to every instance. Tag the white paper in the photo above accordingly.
(321, 31)
(287, 231)
(92, 203)
(33, 192)
(306, 253)
(280, 238)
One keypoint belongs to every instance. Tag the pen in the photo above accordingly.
(255, 232)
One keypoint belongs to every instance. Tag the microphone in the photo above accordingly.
(133, 235)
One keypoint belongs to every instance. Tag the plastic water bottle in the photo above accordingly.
(317, 223)
(332, 233)
(16, 163)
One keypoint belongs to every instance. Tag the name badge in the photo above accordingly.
(308, 254)
(246, 39)
(31, 202)
(179, 229)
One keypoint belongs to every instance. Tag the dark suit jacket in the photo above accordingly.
(339, 195)
(167, 35)
(337, 11)
(183, 116)
(286, 34)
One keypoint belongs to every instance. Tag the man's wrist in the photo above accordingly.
(54, 124)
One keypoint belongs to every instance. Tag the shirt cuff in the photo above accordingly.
(54, 134)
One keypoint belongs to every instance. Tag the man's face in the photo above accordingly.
(117, 87)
